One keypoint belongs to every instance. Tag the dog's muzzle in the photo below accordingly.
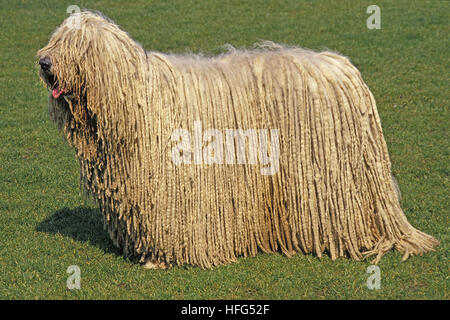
(49, 78)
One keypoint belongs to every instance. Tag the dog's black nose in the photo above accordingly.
(45, 63)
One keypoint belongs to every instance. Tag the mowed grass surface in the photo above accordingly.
(46, 225)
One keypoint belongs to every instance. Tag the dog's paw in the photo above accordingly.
(153, 264)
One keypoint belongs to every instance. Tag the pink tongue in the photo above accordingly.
(56, 93)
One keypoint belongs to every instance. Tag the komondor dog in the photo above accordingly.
(197, 160)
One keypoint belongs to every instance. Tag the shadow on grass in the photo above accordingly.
(81, 224)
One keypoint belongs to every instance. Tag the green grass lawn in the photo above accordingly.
(46, 225)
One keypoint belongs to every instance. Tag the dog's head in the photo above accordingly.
(97, 76)
(90, 61)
